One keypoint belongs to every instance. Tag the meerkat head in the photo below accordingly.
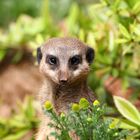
(64, 60)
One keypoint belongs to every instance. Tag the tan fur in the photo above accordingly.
(62, 96)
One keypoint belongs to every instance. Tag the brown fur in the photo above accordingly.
(62, 96)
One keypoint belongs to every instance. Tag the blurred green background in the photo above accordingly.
(111, 27)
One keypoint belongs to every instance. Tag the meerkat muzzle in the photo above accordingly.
(63, 77)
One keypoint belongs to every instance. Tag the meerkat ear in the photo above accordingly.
(39, 55)
(90, 55)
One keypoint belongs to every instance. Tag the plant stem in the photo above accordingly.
(81, 122)
(57, 120)
(61, 125)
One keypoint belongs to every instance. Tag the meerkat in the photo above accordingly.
(65, 64)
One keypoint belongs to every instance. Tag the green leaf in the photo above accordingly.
(73, 17)
(127, 49)
(136, 8)
(127, 109)
(124, 31)
(136, 29)
(16, 136)
(125, 124)
(15, 123)
(91, 39)
(131, 3)
(111, 41)
(82, 35)
(121, 41)
(30, 111)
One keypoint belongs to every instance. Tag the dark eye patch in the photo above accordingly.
(39, 55)
(90, 55)
(75, 60)
(52, 60)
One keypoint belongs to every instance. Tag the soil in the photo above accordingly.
(17, 81)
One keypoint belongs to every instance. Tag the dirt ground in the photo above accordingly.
(17, 81)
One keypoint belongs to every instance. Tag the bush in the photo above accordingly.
(10, 10)
(111, 27)
(86, 121)
(21, 123)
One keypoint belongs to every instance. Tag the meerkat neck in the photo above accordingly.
(63, 95)
(70, 92)
(76, 88)
(73, 89)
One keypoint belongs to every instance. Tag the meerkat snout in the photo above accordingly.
(64, 60)
(63, 77)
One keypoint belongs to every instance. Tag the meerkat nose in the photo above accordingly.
(63, 77)
(62, 81)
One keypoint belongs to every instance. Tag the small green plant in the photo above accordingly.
(85, 121)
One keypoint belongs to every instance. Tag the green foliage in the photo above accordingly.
(132, 115)
(128, 110)
(86, 121)
(11, 9)
(17, 126)
(112, 28)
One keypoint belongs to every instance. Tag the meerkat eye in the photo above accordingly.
(52, 60)
(75, 60)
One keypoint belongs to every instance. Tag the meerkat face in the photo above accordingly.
(64, 60)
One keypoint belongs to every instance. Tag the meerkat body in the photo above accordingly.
(65, 65)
